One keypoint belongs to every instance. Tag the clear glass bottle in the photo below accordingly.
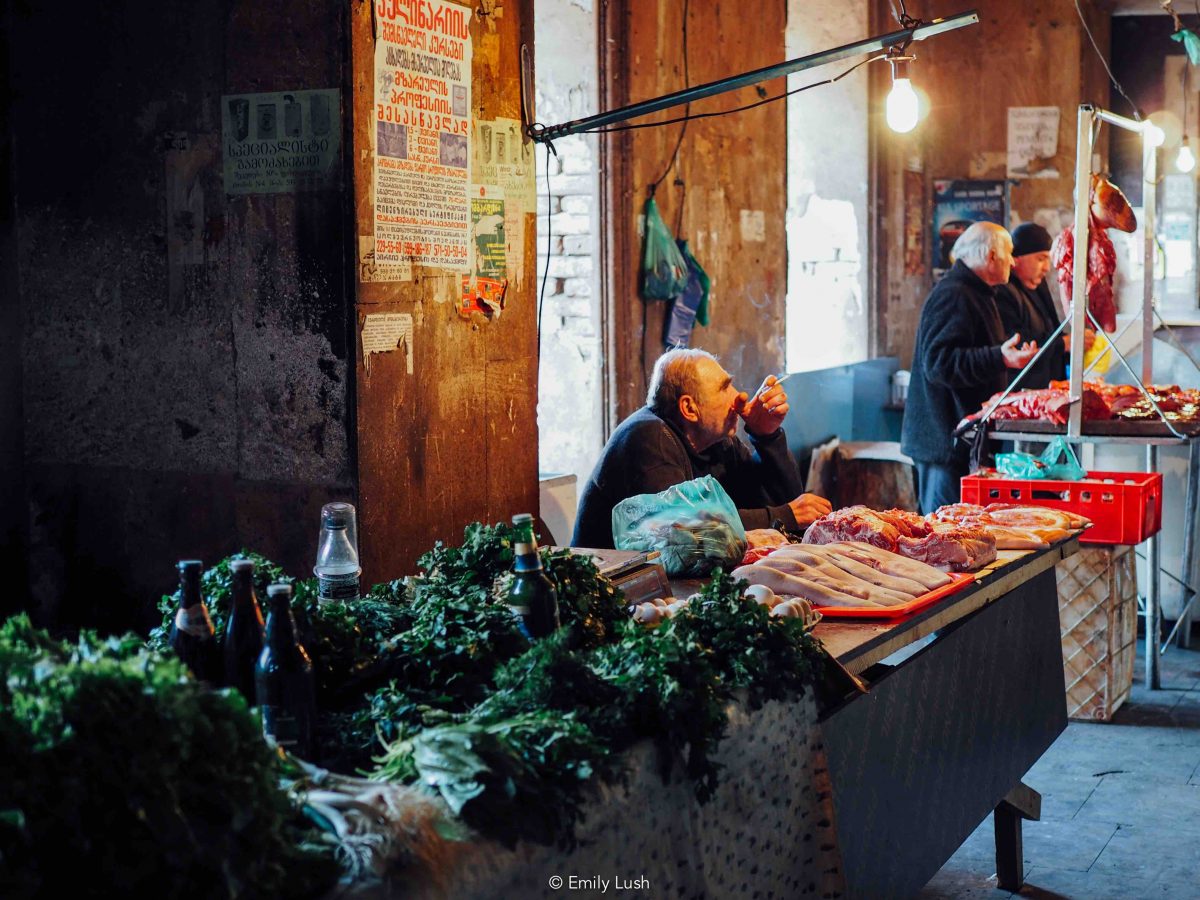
(337, 568)
(532, 595)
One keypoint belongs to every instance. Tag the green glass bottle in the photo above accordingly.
(532, 596)
(284, 682)
(244, 633)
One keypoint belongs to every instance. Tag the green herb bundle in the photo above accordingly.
(128, 774)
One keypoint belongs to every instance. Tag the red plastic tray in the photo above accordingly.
(1125, 507)
(959, 581)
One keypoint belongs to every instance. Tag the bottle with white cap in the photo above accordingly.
(337, 568)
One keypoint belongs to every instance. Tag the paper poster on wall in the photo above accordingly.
(281, 142)
(1032, 141)
(370, 270)
(958, 204)
(383, 333)
(487, 228)
(500, 156)
(422, 135)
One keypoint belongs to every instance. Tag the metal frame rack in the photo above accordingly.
(1089, 119)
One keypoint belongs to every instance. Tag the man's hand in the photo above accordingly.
(765, 411)
(807, 508)
(1015, 357)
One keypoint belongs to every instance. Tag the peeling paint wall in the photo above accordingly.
(184, 351)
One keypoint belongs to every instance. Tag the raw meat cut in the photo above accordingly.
(860, 570)
(904, 533)
(789, 585)
(1108, 209)
(854, 523)
(893, 563)
(952, 548)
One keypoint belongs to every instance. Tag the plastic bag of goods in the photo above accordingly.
(694, 526)
(664, 270)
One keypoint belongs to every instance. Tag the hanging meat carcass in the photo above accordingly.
(1108, 209)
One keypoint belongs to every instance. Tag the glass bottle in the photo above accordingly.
(532, 595)
(192, 634)
(244, 633)
(284, 682)
(337, 568)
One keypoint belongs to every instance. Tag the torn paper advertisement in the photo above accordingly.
(383, 333)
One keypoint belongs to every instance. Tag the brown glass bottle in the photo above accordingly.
(192, 635)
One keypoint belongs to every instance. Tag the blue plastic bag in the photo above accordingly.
(685, 308)
(694, 526)
(664, 270)
(1058, 461)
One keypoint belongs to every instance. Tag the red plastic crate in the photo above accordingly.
(1125, 507)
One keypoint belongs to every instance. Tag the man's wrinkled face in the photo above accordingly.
(718, 404)
(999, 265)
(1031, 268)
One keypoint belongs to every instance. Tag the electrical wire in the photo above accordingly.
(686, 109)
(726, 112)
(549, 247)
(1137, 115)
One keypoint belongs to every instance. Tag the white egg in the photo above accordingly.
(647, 614)
(788, 609)
(760, 593)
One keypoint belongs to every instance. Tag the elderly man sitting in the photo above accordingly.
(688, 429)
(959, 361)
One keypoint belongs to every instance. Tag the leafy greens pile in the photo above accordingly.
(126, 771)
(429, 680)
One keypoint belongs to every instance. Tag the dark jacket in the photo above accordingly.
(957, 365)
(1034, 316)
(648, 454)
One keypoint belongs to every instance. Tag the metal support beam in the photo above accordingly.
(1083, 187)
(899, 38)
(1153, 601)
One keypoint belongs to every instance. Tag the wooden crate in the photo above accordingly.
(1097, 614)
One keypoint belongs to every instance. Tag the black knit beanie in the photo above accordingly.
(1030, 238)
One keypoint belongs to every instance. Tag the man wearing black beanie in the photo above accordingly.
(1026, 307)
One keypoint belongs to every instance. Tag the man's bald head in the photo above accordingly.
(986, 249)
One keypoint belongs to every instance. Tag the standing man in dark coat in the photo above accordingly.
(688, 429)
(1026, 307)
(959, 361)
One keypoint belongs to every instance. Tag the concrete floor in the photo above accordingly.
(1120, 805)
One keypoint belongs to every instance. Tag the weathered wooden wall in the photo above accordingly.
(1022, 53)
(456, 441)
(183, 351)
(729, 165)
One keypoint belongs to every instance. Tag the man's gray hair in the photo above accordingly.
(674, 375)
(982, 238)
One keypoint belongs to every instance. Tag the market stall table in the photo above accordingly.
(865, 798)
(964, 697)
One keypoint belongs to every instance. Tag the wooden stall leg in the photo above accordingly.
(1022, 802)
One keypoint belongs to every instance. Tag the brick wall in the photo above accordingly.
(570, 430)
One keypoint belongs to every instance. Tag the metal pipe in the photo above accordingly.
(1083, 185)
(1153, 602)
(1120, 121)
(1189, 541)
(899, 38)
(1149, 208)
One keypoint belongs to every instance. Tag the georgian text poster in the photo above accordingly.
(422, 135)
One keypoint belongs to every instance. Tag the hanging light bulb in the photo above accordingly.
(1185, 161)
(902, 100)
(1153, 134)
